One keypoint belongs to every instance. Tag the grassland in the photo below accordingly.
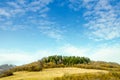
(49, 74)
(64, 68)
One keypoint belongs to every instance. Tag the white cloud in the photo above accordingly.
(75, 4)
(52, 32)
(9, 25)
(103, 21)
(74, 51)
(13, 10)
(18, 57)
(51, 29)
(17, 10)
(110, 54)
(44, 10)
(46, 53)
(15, 57)
(104, 52)
(35, 5)
(14, 4)
(4, 13)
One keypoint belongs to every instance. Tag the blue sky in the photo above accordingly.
(32, 29)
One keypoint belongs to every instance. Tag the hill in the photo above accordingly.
(49, 64)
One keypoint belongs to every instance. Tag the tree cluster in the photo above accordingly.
(65, 60)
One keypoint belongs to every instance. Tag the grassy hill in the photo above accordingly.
(64, 68)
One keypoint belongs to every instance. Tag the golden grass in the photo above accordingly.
(49, 74)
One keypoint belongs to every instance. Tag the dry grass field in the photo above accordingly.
(49, 74)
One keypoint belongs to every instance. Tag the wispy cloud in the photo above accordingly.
(4, 13)
(51, 29)
(103, 21)
(10, 26)
(19, 9)
(75, 4)
(22, 6)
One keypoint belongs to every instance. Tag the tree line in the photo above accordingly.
(66, 60)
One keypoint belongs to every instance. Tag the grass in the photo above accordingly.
(49, 74)
(91, 76)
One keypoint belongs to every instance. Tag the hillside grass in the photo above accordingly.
(91, 76)
(50, 74)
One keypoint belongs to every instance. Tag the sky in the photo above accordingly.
(33, 29)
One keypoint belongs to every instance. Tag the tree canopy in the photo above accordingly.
(66, 60)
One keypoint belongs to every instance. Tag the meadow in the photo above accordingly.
(50, 74)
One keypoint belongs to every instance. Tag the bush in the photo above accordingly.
(6, 73)
(35, 66)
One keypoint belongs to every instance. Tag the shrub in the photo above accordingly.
(6, 73)
(35, 66)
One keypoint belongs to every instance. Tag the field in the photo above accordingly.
(49, 74)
